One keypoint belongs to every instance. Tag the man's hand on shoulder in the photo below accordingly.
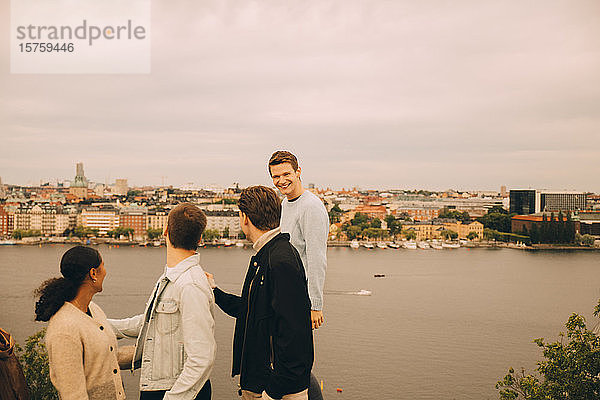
(211, 280)
(317, 318)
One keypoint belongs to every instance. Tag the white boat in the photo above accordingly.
(450, 245)
(7, 242)
(381, 245)
(363, 292)
(239, 244)
(368, 245)
(409, 245)
(394, 245)
(423, 245)
(156, 243)
(354, 244)
(228, 243)
(436, 245)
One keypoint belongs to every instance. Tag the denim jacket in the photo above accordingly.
(175, 344)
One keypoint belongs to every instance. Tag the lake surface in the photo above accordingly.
(441, 324)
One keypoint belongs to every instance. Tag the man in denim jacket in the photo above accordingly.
(175, 345)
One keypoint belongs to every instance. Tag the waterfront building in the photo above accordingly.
(79, 186)
(425, 231)
(529, 201)
(524, 223)
(134, 217)
(464, 230)
(420, 213)
(523, 202)
(371, 211)
(104, 219)
(589, 223)
(562, 201)
(5, 218)
(157, 219)
(222, 221)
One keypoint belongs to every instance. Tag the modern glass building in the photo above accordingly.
(563, 201)
(522, 202)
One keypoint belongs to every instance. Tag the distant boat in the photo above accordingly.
(239, 244)
(381, 245)
(363, 292)
(436, 245)
(368, 245)
(394, 245)
(228, 243)
(354, 244)
(450, 245)
(7, 242)
(423, 245)
(156, 243)
(409, 245)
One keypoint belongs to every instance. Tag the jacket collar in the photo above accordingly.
(265, 238)
(175, 272)
(266, 246)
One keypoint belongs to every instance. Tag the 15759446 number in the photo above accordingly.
(34, 47)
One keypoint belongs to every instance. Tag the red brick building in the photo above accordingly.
(5, 223)
(135, 218)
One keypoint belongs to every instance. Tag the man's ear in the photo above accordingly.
(299, 171)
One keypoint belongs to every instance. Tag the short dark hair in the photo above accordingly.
(262, 206)
(282, 156)
(185, 225)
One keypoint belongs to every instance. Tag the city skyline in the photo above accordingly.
(436, 96)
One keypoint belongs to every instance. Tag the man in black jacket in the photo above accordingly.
(272, 344)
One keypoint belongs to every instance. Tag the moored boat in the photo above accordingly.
(381, 245)
(423, 245)
(368, 245)
(354, 244)
(409, 245)
(450, 245)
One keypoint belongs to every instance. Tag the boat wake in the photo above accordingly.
(361, 292)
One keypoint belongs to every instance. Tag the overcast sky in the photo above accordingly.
(376, 94)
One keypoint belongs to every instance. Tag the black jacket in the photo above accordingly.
(272, 343)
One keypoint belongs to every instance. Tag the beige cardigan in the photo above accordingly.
(83, 355)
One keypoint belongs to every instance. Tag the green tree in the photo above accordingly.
(352, 232)
(497, 221)
(472, 235)
(394, 225)
(449, 234)
(497, 210)
(17, 234)
(375, 223)
(359, 219)
(570, 369)
(409, 234)
(154, 233)
(210, 234)
(335, 214)
(34, 360)
(226, 232)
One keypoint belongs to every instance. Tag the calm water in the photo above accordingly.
(442, 324)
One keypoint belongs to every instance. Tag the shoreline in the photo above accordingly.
(245, 244)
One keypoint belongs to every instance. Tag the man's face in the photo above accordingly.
(286, 179)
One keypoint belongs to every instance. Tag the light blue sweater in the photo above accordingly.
(307, 222)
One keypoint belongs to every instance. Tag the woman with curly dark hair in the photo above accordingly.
(78, 327)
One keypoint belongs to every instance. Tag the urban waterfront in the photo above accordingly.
(440, 324)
